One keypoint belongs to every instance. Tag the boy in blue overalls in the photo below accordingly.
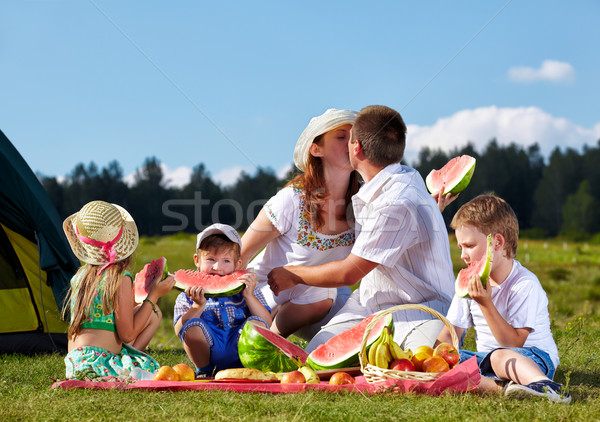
(209, 328)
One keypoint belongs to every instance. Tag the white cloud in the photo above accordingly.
(283, 171)
(229, 175)
(172, 178)
(176, 178)
(550, 70)
(522, 125)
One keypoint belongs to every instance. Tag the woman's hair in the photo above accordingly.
(312, 182)
(218, 243)
(83, 293)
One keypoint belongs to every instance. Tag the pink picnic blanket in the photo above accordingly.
(463, 377)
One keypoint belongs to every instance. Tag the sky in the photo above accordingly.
(231, 85)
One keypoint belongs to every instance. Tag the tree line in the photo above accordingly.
(557, 197)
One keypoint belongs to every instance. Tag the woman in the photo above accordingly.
(308, 222)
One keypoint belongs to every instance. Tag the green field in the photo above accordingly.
(570, 273)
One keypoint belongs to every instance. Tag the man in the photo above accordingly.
(401, 253)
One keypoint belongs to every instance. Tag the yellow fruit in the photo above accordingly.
(166, 373)
(425, 349)
(185, 372)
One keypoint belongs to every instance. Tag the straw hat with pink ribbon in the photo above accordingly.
(101, 233)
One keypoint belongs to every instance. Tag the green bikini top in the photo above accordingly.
(96, 318)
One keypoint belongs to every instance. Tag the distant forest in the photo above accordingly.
(557, 197)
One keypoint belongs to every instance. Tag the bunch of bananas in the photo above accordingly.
(385, 350)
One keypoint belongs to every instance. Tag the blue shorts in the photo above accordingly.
(541, 358)
(223, 342)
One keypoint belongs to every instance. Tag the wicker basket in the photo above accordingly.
(373, 373)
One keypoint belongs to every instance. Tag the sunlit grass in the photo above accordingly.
(568, 271)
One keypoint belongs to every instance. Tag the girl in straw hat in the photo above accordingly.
(107, 333)
(308, 222)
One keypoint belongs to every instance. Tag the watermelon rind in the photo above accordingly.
(460, 286)
(257, 352)
(183, 280)
(459, 183)
(342, 350)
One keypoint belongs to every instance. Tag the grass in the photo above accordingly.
(569, 272)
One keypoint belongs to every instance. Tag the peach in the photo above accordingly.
(341, 378)
(435, 364)
(166, 373)
(185, 372)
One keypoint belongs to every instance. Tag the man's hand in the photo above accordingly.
(282, 278)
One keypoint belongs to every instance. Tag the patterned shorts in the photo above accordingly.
(105, 363)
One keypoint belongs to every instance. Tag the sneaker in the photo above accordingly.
(549, 389)
(200, 374)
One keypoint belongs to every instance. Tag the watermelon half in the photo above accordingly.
(214, 285)
(480, 268)
(454, 177)
(260, 348)
(152, 272)
(342, 350)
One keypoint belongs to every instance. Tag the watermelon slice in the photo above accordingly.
(152, 272)
(260, 348)
(480, 268)
(214, 285)
(342, 350)
(454, 177)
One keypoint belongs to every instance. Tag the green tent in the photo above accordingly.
(36, 262)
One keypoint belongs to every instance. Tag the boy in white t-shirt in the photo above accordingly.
(509, 314)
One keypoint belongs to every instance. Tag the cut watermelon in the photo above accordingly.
(260, 348)
(342, 350)
(214, 285)
(480, 268)
(454, 177)
(152, 272)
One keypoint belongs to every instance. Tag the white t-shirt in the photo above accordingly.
(522, 302)
(298, 244)
(399, 226)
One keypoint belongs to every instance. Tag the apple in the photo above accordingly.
(293, 377)
(165, 373)
(402, 365)
(435, 364)
(185, 372)
(448, 352)
(341, 378)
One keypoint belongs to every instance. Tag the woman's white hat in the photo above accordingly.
(101, 233)
(319, 125)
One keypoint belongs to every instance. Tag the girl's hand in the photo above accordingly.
(478, 293)
(163, 287)
(196, 293)
(249, 279)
